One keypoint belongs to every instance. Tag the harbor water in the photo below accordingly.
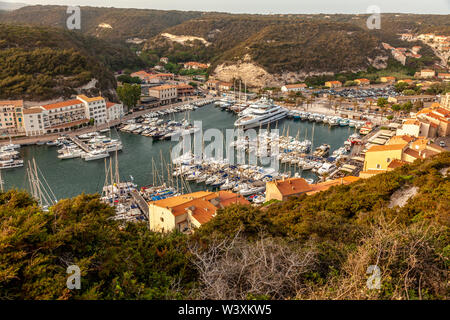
(141, 154)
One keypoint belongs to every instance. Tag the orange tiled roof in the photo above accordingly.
(62, 104)
(323, 186)
(32, 110)
(292, 186)
(163, 87)
(176, 201)
(387, 147)
(396, 164)
(293, 86)
(412, 153)
(16, 103)
(85, 98)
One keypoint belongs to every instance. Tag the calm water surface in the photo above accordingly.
(69, 178)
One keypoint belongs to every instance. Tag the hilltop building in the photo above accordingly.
(195, 65)
(362, 82)
(333, 84)
(294, 87)
(187, 212)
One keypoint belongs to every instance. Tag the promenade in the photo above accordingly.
(133, 115)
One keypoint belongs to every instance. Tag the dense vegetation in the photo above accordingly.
(43, 63)
(310, 247)
(315, 44)
(126, 23)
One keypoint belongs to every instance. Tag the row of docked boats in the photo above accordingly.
(160, 129)
(321, 118)
(10, 156)
(95, 146)
(245, 179)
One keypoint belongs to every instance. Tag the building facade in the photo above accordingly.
(187, 212)
(114, 111)
(95, 108)
(34, 121)
(11, 117)
(166, 94)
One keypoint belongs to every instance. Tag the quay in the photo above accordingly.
(80, 143)
(140, 201)
(24, 140)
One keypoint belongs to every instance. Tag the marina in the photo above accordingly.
(138, 151)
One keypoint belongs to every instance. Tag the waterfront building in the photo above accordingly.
(166, 94)
(114, 111)
(95, 108)
(62, 115)
(187, 212)
(333, 84)
(184, 90)
(212, 84)
(11, 117)
(293, 87)
(225, 86)
(34, 121)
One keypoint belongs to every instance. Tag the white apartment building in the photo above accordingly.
(63, 114)
(34, 121)
(114, 111)
(95, 108)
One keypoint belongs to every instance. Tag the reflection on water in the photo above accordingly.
(71, 177)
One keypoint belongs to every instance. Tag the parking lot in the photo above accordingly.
(361, 93)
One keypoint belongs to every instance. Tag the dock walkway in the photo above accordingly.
(80, 143)
(140, 201)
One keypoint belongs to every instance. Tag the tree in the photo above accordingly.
(382, 102)
(129, 94)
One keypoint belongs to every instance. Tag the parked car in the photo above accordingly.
(442, 144)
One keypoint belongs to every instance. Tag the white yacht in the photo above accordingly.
(260, 113)
(95, 155)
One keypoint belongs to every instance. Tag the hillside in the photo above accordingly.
(39, 63)
(262, 50)
(125, 23)
(270, 50)
(309, 247)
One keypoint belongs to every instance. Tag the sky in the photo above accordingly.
(266, 6)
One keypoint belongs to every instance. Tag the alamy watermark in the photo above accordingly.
(374, 20)
(374, 281)
(73, 22)
(74, 278)
(240, 148)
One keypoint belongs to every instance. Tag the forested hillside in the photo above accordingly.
(310, 247)
(38, 63)
(297, 44)
(125, 23)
